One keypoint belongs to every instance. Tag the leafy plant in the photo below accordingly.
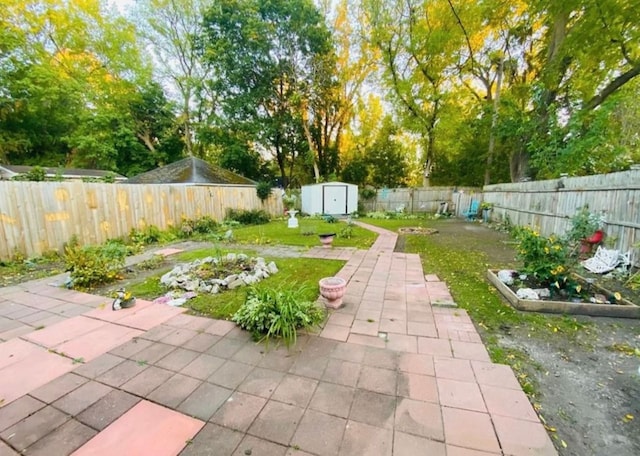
(277, 313)
(583, 224)
(263, 190)
(150, 234)
(93, 264)
(252, 217)
(544, 258)
(151, 263)
(35, 174)
(367, 193)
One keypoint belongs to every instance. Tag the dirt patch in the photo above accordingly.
(588, 389)
(416, 230)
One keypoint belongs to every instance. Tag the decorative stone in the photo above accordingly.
(543, 293)
(527, 293)
(506, 276)
(184, 277)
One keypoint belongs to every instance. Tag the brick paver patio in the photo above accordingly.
(399, 370)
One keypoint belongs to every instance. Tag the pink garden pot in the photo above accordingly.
(332, 290)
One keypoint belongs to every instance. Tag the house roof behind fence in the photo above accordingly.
(70, 173)
(190, 170)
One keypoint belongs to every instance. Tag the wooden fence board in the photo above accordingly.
(36, 217)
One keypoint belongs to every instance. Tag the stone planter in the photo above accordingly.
(625, 309)
(326, 239)
(332, 289)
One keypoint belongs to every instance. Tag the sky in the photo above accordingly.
(122, 5)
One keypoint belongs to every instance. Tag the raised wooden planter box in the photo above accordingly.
(626, 309)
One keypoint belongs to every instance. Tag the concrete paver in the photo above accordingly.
(146, 428)
(399, 370)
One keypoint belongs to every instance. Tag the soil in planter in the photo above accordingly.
(603, 290)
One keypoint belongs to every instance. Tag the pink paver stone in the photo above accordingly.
(145, 429)
(106, 313)
(15, 350)
(150, 316)
(64, 331)
(91, 345)
(37, 369)
(168, 251)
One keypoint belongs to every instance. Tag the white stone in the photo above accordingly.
(272, 268)
(543, 293)
(527, 293)
(506, 276)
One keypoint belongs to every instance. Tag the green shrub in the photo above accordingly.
(583, 224)
(253, 217)
(150, 234)
(205, 225)
(93, 264)
(263, 190)
(274, 313)
(544, 258)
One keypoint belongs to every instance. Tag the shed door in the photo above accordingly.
(334, 199)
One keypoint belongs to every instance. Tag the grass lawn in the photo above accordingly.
(293, 272)
(306, 235)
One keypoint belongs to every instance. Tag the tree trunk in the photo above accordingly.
(494, 123)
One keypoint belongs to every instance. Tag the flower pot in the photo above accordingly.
(332, 289)
(486, 213)
(326, 239)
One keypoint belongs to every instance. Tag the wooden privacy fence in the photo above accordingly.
(36, 217)
(415, 200)
(550, 204)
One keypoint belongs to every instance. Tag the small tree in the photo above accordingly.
(263, 189)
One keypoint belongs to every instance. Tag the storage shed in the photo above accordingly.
(334, 198)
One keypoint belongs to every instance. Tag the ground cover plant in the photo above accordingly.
(278, 313)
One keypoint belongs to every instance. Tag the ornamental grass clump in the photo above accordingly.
(545, 259)
(277, 313)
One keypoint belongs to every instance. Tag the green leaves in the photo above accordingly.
(271, 313)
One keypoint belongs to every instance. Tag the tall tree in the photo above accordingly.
(268, 58)
(417, 41)
(170, 28)
(67, 71)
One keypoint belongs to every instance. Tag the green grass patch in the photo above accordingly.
(276, 232)
(214, 252)
(293, 272)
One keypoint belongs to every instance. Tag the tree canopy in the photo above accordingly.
(377, 92)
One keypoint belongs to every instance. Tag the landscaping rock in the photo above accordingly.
(197, 275)
(506, 276)
(527, 293)
(543, 293)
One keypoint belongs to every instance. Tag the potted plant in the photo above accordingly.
(486, 210)
(326, 239)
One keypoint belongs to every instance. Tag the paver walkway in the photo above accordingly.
(397, 371)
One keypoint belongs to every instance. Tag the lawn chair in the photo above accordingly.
(472, 212)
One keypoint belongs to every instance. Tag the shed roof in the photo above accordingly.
(190, 170)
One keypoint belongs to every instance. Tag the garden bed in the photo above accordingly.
(625, 309)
